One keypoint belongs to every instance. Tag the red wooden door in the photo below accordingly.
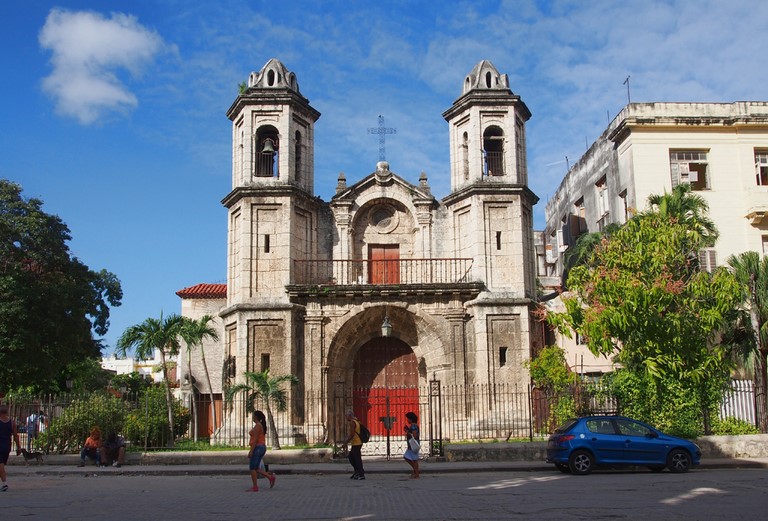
(384, 264)
(385, 385)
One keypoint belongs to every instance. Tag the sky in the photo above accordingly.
(114, 112)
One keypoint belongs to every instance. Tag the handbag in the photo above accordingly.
(413, 444)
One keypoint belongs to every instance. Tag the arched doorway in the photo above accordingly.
(386, 384)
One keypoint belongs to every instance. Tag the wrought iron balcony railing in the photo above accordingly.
(389, 271)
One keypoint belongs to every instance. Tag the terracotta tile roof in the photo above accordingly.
(204, 291)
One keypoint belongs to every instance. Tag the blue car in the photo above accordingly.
(582, 444)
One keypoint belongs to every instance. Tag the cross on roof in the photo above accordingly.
(382, 131)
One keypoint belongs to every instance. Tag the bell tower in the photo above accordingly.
(491, 204)
(272, 131)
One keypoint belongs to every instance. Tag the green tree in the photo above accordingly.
(194, 333)
(751, 271)
(261, 386)
(51, 304)
(550, 373)
(689, 209)
(161, 334)
(641, 299)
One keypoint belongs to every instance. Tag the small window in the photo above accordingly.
(502, 356)
(493, 151)
(264, 362)
(601, 187)
(498, 240)
(765, 245)
(266, 243)
(623, 197)
(689, 167)
(761, 167)
(707, 259)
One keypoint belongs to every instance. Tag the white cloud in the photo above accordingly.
(87, 52)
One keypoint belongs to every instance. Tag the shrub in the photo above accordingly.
(733, 427)
(147, 424)
(67, 432)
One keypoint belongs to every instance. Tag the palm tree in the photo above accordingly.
(751, 270)
(161, 334)
(687, 208)
(261, 385)
(194, 332)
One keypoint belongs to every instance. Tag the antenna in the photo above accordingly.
(626, 82)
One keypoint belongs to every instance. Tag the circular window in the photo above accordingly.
(383, 217)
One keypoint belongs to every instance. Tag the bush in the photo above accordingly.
(733, 427)
(68, 432)
(147, 425)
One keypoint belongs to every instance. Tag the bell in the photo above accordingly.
(269, 147)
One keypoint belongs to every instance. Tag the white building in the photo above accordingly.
(720, 149)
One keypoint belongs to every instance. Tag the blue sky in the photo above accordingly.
(113, 112)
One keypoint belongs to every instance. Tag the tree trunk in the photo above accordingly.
(761, 399)
(275, 441)
(168, 399)
(193, 400)
(210, 394)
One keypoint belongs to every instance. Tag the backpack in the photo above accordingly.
(364, 433)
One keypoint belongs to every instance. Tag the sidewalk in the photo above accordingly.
(67, 465)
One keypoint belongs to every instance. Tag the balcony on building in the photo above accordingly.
(386, 276)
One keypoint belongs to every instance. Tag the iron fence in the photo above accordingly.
(447, 413)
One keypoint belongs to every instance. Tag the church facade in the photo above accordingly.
(383, 288)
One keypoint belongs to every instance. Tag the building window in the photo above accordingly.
(623, 197)
(690, 167)
(601, 187)
(493, 150)
(765, 245)
(465, 155)
(761, 167)
(502, 356)
(579, 222)
(266, 243)
(298, 158)
(707, 259)
(264, 362)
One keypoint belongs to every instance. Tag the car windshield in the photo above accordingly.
(568, 425)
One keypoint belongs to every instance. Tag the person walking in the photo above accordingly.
(412, 437)
(33, 424)
(258, 446)
(355, 445)
(7, 432)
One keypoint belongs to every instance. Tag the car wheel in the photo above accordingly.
(679, 461)
(563, 467)
(657, 468)
(581, 462)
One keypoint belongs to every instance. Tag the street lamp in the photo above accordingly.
(386, 326)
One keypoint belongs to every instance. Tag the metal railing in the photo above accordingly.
(396, 271)
(447, 413)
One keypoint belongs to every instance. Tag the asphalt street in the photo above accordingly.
(97, 494)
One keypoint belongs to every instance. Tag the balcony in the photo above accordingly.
(388, 276)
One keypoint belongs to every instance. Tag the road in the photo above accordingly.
(698, 495)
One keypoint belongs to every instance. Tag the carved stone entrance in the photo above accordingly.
(386, 380)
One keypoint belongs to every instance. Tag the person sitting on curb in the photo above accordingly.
(91, 448)
(113, 451)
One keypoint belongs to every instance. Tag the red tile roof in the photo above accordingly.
(202, 291)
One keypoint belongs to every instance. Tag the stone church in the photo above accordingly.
(383, 289)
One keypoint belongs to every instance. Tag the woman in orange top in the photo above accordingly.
(258, 446)
(91, 447)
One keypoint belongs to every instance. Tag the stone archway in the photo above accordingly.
(385, 384)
